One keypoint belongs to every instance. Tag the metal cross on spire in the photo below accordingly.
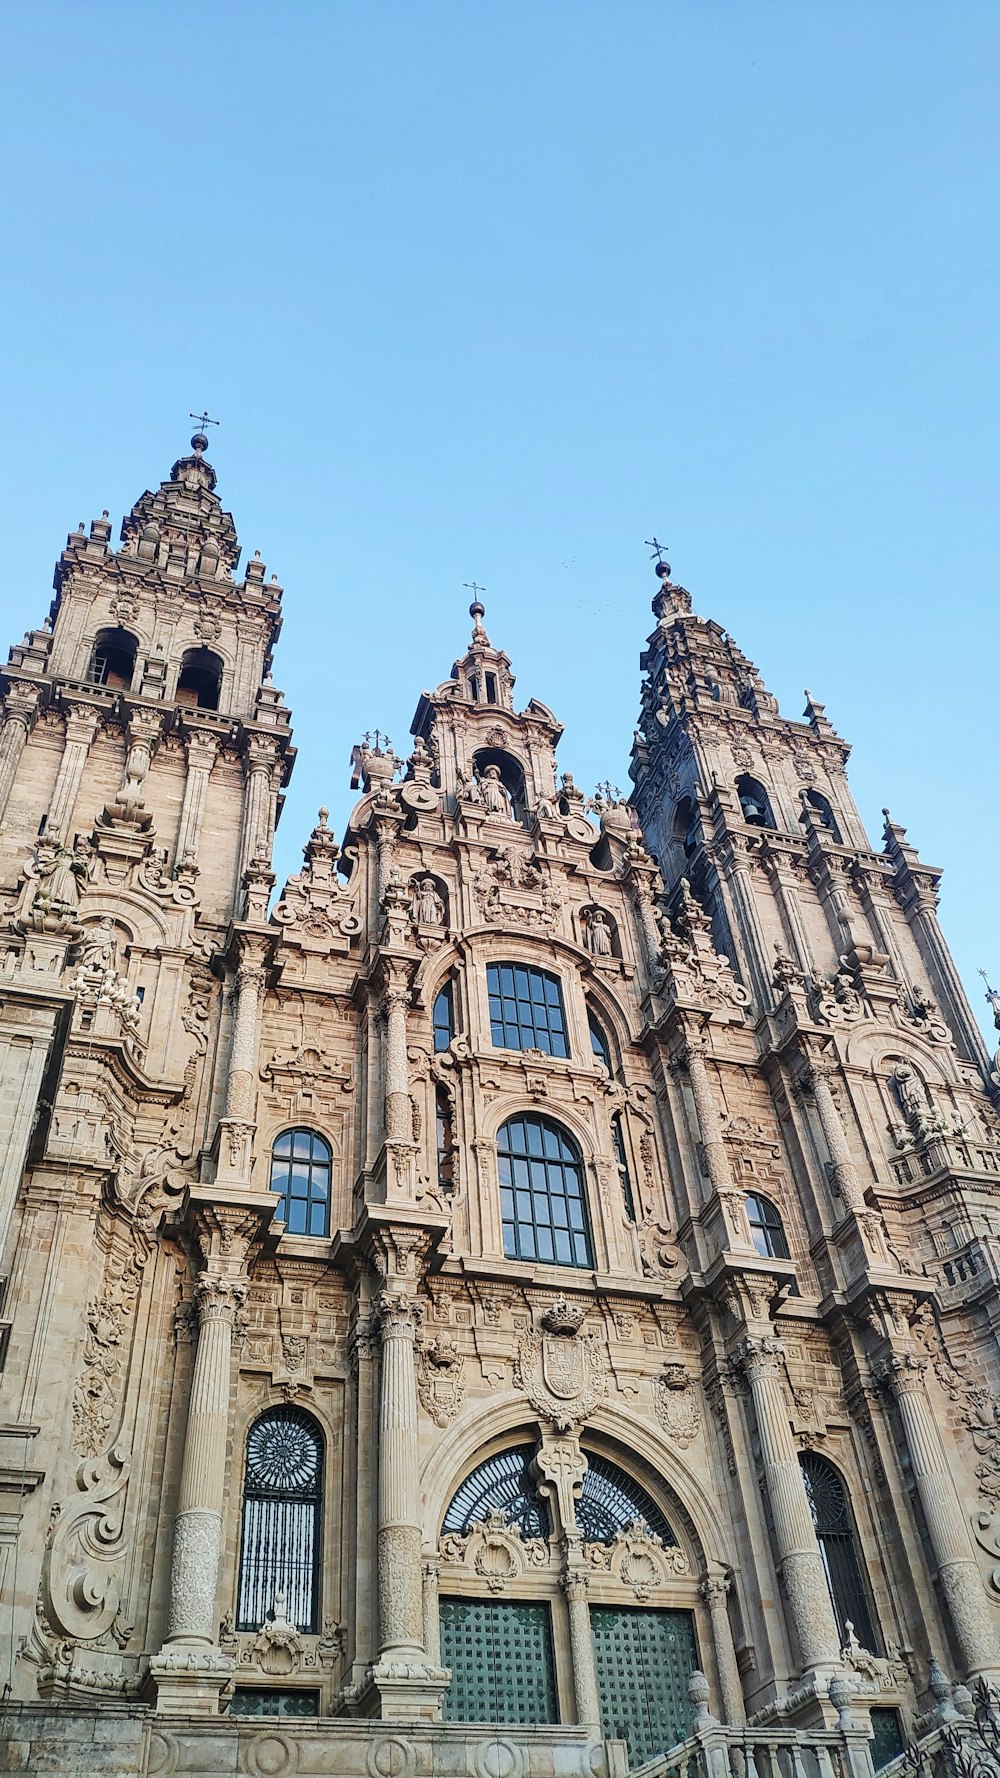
(203, 420)
(658, 548)
(473, 587)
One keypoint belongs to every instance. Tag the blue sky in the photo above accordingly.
(495, 291)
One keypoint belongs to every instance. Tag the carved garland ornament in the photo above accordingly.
(495, 1550)
(637, 1558)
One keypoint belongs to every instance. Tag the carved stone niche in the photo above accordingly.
(637, 1558)
(495, 1551)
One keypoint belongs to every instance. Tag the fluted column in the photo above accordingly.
(399, 1531)
(799, 1558)
(957, 1568)
(714, 1146)
(398, 1111)
(201, 750)
(754, 946)
(845, 1172)
(576, 1587)
(240, 1095)
(81, 726)
(714, 1589)
(194, 1569)
(19, 713)
(258, 814)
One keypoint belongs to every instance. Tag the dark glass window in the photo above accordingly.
(599, 1043)
(300, 1173)
(831, 1512)
(610, 1501)
(253, 1700)
(526, 1009)
(541, 1193)
(444, 1017)
(887, 1738)
(625, 1178)
(445, 1140)
(501, 1663)
(766, 1228)
(503, 1483)
(279, 1546)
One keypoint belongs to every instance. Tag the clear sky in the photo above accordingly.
(494, 291)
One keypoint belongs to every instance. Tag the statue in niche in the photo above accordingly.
(468, 789)
(427, 907)
(495, 798)
(98, 953)
(598, 933)
(63, 876)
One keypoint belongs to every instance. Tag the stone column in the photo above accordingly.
(431, 1573)
(754, 945)
(237, 1123)
(799, 1560)
(398, 1110)
(576, 1586)
(19, 713)
(714, 1589)
(81, 727)
(957, 1568)
(258, 825)
(643, 903)
(716, 1156)
(845, 1172)
(399, 1529)
(201, 750)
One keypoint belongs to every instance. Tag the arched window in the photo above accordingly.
(279, 1543)
(300, 1173)
(113, 660)
(510, 772)
(824, 809)
(199, 682)
(445, 1139)
(541, 1193)
(526, 1009)
(621, 1157)
(503, 1483)
(831, 1513)
(755, 804)
(444, 1017)
(610, 1501)
(766, 1228)
(598, 1042)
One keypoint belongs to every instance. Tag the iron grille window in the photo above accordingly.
(526, 1009)
(644, 1660)
(831, 1513)
(599, 1043)
(300, 1174)
(610, 1501)
(541, 1193)
(503, 1483)
(279, 1546)
(501, 1663)
(766, 1228)
(887, 1738)
(624, 1176)
(444, 1017)
(250, 1700)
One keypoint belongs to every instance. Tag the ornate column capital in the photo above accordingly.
(755, 1357)
(714, 1589)
(219, 1299)
(398, 1314)
(902, 1372)
(226, 1234)
(575, 1585)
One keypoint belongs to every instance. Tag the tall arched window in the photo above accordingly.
(766, 1228)
(444, 1017)
(621, 1158)
(824, 809)
(505, 1484)
(113, 660)
(598, 1042)
(755, 804)
(300, 1173)
(541, 1193)
(279, 1543)
(200, 679)
(526, 1009)
(831, 1513)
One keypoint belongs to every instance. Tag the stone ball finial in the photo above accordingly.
(662, 570)
(199, 443)
(477, 610)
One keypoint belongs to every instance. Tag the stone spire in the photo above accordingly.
(484, 670)
(182, 526)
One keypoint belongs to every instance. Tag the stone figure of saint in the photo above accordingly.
(428, 908)
(495, 798)
(468, 789)
(63, 876)
(98, 953)
(599, 934)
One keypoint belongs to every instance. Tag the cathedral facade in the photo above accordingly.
(519, 1299)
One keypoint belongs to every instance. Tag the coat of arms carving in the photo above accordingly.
(562, 1370)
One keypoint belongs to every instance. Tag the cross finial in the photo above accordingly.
(659, 549)
(199, 442)
(473, 587)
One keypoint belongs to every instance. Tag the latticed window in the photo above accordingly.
(766, 1228)
(621, 1157)
(279, 1545)
(503, 1483)
(250, 1700)
(500, 1657)
(610, 1501)
(541, 1193)
(444, 1017)
(526, 1009)
(300, 1174)
(831, 1513)
(644, 1660)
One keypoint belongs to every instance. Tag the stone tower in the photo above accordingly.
(523, 1300)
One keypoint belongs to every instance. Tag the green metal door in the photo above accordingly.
(501, 1662)
(644, 1660)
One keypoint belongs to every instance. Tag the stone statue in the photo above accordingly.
(495, 798)
(63, 877)
(98, 954)
(468, 789)
(599, 933)
(427, 907)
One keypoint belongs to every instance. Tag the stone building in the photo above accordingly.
(519, 1301)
